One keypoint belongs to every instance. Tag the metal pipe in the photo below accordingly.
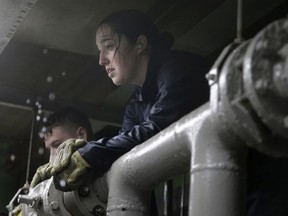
(133, 176)
(17, 106)
(217, 186)
(10, 206)
(30, 146)
(216, 165)
(183, 195)
(168, 198)
(239, 37)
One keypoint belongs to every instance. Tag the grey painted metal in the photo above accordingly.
(239, 32)
(183, 195)
(12, 14)
(217, 186)
(247, 98)
(168, 198)
(30, 146)
(217, 162)
(11, 206)
(45, 199)
(133, 176)
(265, 77)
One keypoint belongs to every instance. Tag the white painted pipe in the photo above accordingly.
(217, 168)
(133, 176)
(218, 172)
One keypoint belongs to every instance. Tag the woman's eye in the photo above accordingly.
(109, 46)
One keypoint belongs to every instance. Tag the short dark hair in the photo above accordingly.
(133, 23)
(68, 116)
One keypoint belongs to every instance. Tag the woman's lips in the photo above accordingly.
(109, 71)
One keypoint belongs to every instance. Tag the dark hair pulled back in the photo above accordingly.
(133, 23)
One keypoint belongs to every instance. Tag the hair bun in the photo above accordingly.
(166, 41)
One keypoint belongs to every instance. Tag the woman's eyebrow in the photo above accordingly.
(104, 40)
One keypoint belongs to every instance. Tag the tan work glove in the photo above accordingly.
(58, 162)
(71, 177)
(42, 173)
(68, 167)
(63, 155)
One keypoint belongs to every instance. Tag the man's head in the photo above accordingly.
(64, 124)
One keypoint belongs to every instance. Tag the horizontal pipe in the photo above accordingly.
(133, 176)
(217, 168)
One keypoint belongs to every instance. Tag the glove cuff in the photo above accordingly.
(76, 156)
(79, 143)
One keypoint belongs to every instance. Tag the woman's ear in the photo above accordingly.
(141, 43)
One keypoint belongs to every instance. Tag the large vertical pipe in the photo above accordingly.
(217, 185)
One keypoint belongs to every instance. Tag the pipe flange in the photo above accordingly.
(85, 201)
(53, 200)
(49, 200)
(235, 110)
(265, 78)
(280, 76)
(213, 77)
(36, 192)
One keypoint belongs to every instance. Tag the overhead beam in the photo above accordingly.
(12, 14)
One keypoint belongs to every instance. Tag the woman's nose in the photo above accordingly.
(103, 60)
